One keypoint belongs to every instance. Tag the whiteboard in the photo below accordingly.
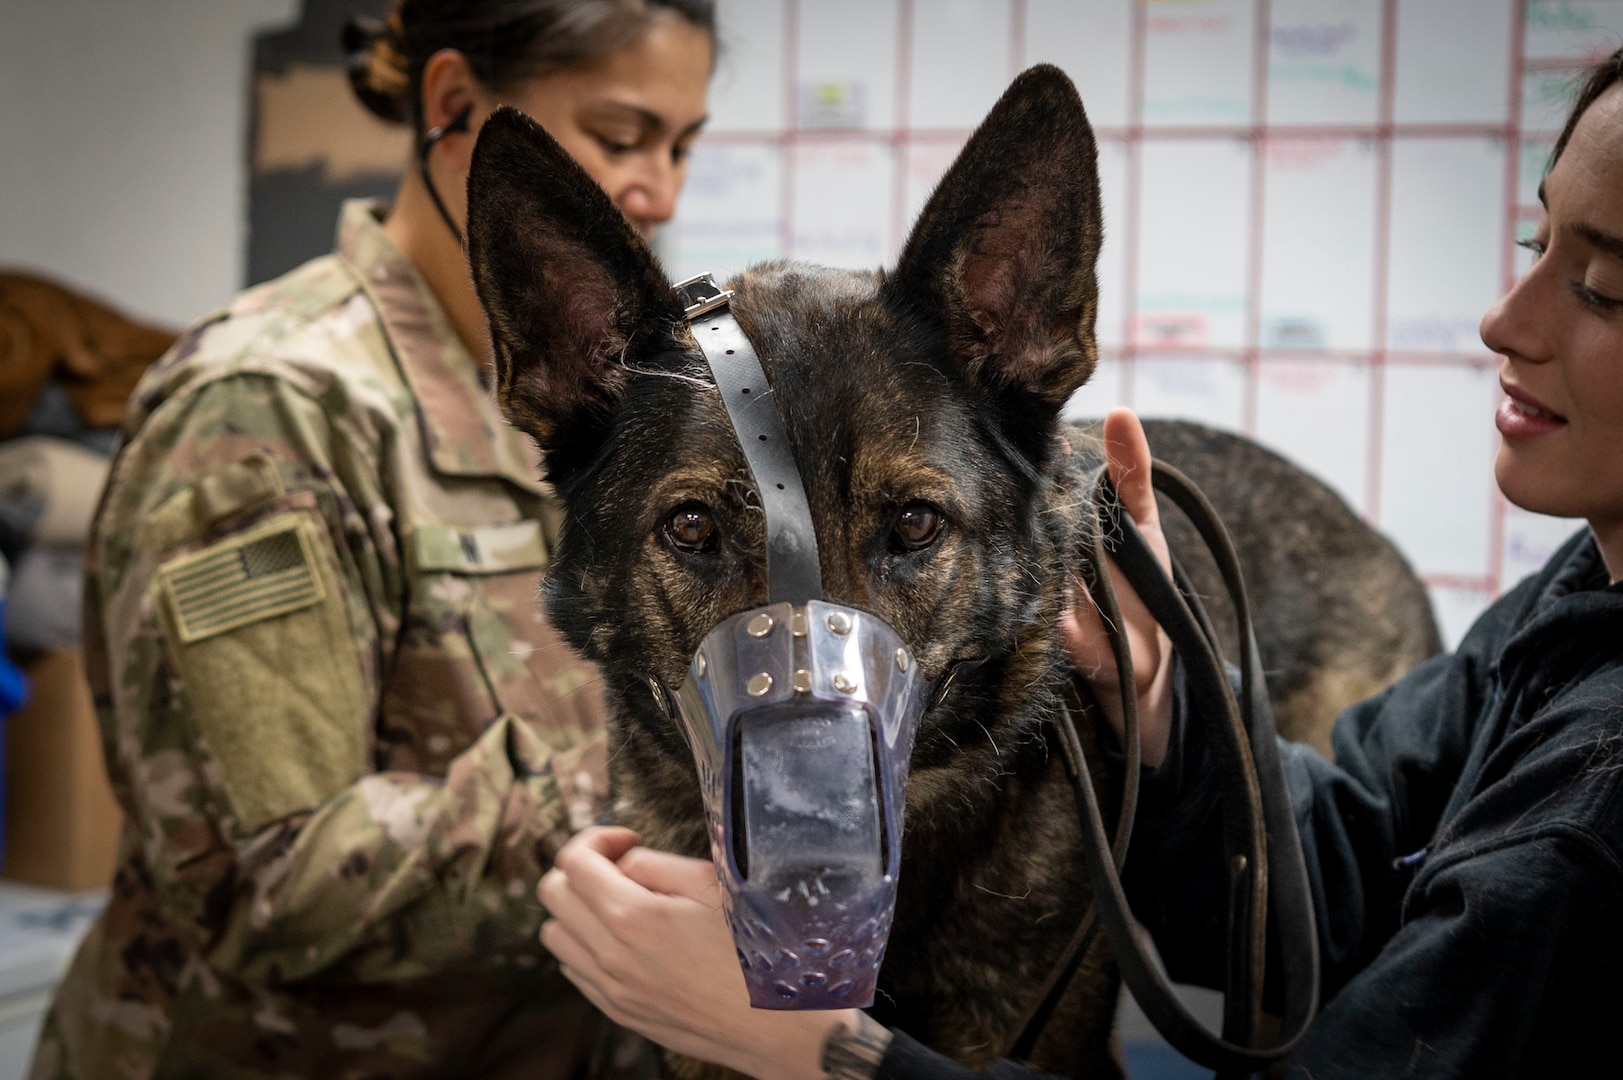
(1308, 205)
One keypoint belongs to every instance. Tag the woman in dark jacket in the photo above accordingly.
(1465, 848)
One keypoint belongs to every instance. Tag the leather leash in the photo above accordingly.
(1258, 825)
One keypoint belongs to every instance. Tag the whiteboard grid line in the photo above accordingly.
(900, 149)
(1507, 275)
(1137, 53)
(1143, 133)
(1385, 106)
(1251, 334)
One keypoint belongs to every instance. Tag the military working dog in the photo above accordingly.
(923, 406)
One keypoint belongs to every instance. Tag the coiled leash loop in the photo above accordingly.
(1261, 847)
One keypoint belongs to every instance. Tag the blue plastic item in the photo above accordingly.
(13, 696)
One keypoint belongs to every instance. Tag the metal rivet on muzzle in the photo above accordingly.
(844, 683)
(761, 625)
(759, 684)
(903, 661)
(839, 622)
(802, 681)
(797, 623)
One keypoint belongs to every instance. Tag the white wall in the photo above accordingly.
(124, 134)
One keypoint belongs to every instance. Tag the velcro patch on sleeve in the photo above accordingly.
(479, 549)
(242, 580)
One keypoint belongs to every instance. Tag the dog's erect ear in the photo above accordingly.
(572, 292)
(1004, 251)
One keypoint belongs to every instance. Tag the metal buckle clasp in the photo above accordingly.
(701, 295)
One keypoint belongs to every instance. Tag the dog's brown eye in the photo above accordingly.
(917, 526)
(691, 528)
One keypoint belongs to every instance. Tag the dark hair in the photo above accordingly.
(505, 42)
(1597, 79)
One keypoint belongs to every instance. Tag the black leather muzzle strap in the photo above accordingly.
(793, 575)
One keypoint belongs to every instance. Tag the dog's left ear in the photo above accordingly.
(1004, 251)
(574, 296)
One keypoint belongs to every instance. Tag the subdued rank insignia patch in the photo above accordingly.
(244, 579)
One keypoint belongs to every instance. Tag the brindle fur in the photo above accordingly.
(941, 382)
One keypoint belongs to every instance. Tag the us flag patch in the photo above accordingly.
(262, 573)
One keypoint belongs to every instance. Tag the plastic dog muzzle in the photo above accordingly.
(801, 719)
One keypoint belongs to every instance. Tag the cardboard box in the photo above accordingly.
(61, 820)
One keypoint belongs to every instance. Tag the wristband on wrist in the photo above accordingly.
(855, 1053)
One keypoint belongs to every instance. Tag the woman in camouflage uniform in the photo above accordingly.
(346, 741)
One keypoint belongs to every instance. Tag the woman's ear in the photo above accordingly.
(451, 90)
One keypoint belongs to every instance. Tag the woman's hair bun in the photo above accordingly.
(376, 66)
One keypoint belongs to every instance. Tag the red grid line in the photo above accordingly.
(1146, 133)
(1137, 48)
(1017, 37)
(1462, 582)
(1513, 160)
(904, 114)
(791, 125)
(1251, 335)
(1185, 132)
(1382, 257)
(1239, 353)
(1564, 65)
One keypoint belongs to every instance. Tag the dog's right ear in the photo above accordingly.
(1003, 253)
(572, 292)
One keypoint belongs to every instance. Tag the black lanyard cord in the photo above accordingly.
(430, 138)
(1259, 827)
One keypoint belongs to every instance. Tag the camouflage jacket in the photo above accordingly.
(345, 739)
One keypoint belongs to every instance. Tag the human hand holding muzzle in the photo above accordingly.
(642, 934)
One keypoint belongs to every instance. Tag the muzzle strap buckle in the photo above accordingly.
(793, 575)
